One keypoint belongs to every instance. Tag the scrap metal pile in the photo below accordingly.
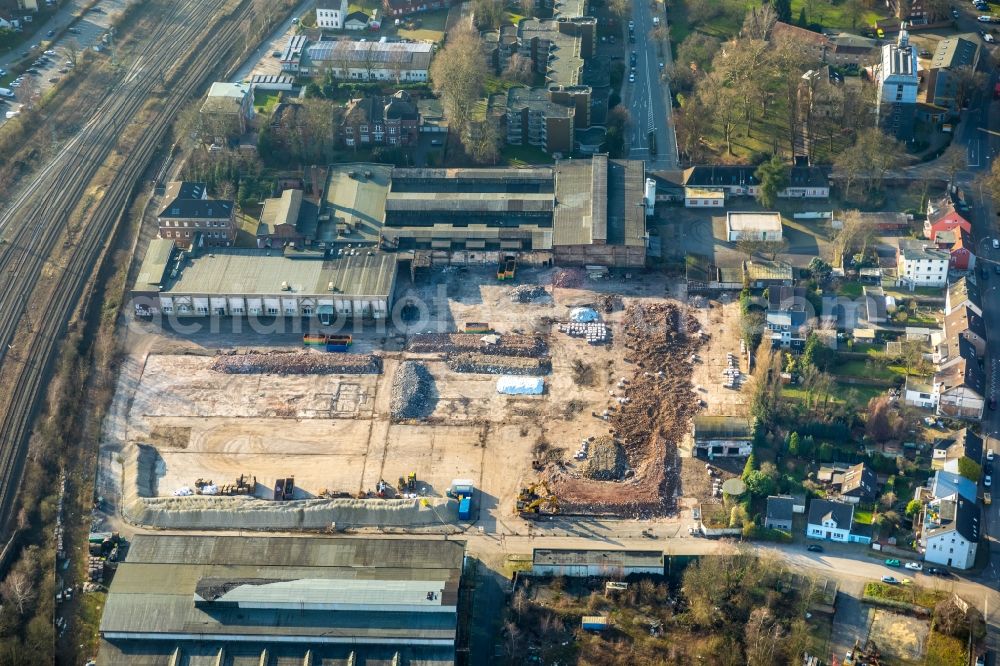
(493, 364)
(297, 363)
(648, 416)
(525, 293)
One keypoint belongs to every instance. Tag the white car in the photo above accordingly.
(989, 455)
(987, 480)
(914, 566)
(985, 19)
(631, 77)
(996, 244)
(987, 37)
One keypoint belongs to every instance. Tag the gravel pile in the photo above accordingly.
(567, 278)
(607, 461)
(525, 293)
(297, 363)
(412, 389)
(491, 364)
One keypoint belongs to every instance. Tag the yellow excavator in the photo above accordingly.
(537, 500)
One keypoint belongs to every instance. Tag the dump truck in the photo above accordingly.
(478, 327)
(465, 508)
(338, 343)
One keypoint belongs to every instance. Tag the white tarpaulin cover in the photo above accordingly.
(583, 315)
(514, 385)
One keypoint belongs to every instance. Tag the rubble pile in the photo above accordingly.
(492, 364)
(412, 392)
(507, 344)
(610, 302)
(648, 415)
(297, 363)
(607, 461)
(568, 278)
(525, 293)
(595, 332)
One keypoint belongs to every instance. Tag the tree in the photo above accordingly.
(992, 180)
(887, 500)
(758, 22)
(794, 444)
(691, 123)
(969, 468)
(762, 634)
(855, 9)
(913, 507)
(697, 51)
(950, 619)
(519, 69)
(854, 237)
(621, 8)
(878, 425)
(18, 589)
(912, 356)
(458, 73)
(783, 9)
(28, 93)
(527, 8)
(816, 353)
(773, 177)
(513, 634)
(759, 483)
(967, 80)
(487, 13)
(802, 22)
(71, 49)
(749, 466)
(484, 143)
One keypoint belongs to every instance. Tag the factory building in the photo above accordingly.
(344, 284)
(578, 212)
(280, 600)
(584, 563)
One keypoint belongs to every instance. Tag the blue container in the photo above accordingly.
(465, 508)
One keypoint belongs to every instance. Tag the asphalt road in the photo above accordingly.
(648, 98)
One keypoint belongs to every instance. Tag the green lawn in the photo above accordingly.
(918, 291)
(264, 102)
(850, 289)
(836, 15)
(427, 27)
(863, 370)
(910, 594)
(863, 517)
(366, 6)
(522, 156)
(864, 393)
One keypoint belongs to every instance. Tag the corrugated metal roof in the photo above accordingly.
(602, 558)
(154, 264)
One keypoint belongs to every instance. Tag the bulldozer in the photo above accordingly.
(536, 500)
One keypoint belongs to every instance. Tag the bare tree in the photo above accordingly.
(513, 634)
(723, 102)
(369, 60)
(458, 74)
(621, 8)
(71, 49)
(519, 69)
(761, 634)
(992, 180)
(759, 21)
(396, 65)
(527, 8)
(28, 92)
(18, 589)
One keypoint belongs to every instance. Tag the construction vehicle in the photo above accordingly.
(401, 484)
(478, 327)
(284, 488)
(536, 500)
(411, 482)
(460, 488)
(382, 488)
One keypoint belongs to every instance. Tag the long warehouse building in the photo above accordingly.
(282, 600)
(352, 284)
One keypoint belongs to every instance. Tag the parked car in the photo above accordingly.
(987, 37)
(889, 580)
(631, 77)
(987, 480)
(989, 455)
(815, 548)
(50, 33)
(932, 571)
(74, 31)
(993, 405)
(954, 13)
(914, 566)
(50, 52)
(892, 563)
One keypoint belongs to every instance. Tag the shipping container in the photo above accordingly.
(465, 508)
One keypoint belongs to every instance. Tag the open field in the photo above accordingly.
(899, 637)
(335, 433)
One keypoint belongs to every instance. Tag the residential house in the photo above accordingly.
(960, 384)
(858, 484)
(942, 215)
(401, 8)
(960, 294)
(225, 112)
(381, 121)
(803, 182)
(830, 520)
(958, 244)
(191, 219)
(330, 14)
(761, 273)
(753, 226)
(919, 392)
(942, 82)
(898, 80)
(725, 436)
(950, 532)
(279, 220)
(357, 21)
(962, 324)
(779, 513)
(837, 49)
(951, 485)
(960, 444)
(356, 60)
(921, 265)
(788, 317)
(916, 12)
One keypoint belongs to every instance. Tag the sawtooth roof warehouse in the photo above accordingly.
(578, 213)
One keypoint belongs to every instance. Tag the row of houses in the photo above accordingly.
(710, 186)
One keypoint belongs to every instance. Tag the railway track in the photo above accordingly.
(199, 36)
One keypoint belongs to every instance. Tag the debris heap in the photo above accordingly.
(525, 293)
(607, 461)
(297, 363)
(492, 364)
(412, 392)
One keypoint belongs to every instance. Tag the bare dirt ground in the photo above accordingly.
(899, 637)
(722, 319)
(333, 432)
